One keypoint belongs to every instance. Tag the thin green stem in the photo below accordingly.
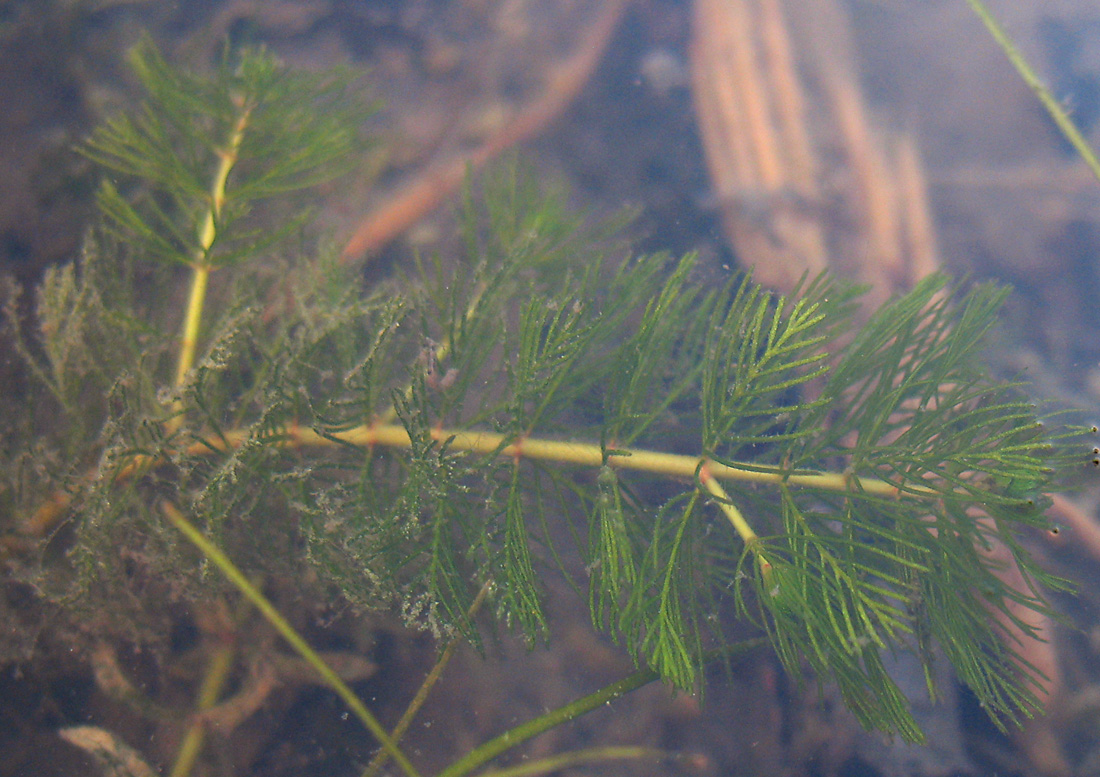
(515, 736)
(1031, 78)
(591, 755)
(215, 555)
(486, 752)
(213, 682)
(424, 690)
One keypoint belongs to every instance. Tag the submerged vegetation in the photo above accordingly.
(209, 402)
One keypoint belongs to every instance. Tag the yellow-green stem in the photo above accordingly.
(215, 555)
(217, 672)
(1031, 78)
(592, 755)
(208, 232)
(192, 321)
(577, 453)
(551, 719)
(591, 455)
(726, 505)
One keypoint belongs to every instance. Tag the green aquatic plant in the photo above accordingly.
(210, 402)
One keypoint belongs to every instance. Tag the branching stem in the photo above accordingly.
(578, 453)
(711, 485)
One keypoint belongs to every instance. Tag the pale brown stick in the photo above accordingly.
(432, 187)
(790, 101)
(919, 231)
(719, 109)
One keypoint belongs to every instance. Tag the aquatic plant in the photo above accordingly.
(210, 402)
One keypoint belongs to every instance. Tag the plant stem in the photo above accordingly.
(425, 688)
(578, 453)
(489, 750)
(215, 555)
(591, 455)
(200, 278)
(217, 672)
(561, 761)
(1053, 108)
(714, 488)
(208, 233)
(574, 709)
(583, 454)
